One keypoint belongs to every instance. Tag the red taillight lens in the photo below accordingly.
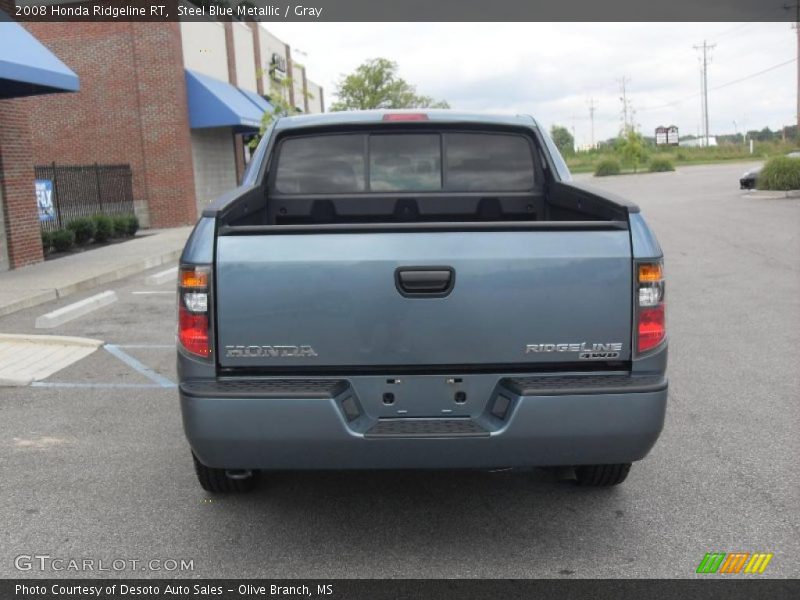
(193, 331)
(405, 117)
(193, 295)
(650, 324)
(652, 328)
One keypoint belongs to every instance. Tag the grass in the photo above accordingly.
(587, 162)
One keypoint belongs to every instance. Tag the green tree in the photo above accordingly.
(563, 140)
(632, 148)
(281, 106)
(375, 84)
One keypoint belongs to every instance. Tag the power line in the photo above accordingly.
(738, 28)
(772, 68)
(724, 85)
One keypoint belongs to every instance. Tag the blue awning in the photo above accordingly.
(28, 68)
(262, 104)
(215, 103)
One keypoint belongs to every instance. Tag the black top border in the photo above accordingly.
(409, 10)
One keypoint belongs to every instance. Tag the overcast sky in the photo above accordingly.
(551, 70)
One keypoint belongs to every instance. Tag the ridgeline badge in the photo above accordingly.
(585, 351)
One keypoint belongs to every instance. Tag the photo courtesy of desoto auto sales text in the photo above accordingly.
(399, 300)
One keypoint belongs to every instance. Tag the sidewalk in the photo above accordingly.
(36, 284)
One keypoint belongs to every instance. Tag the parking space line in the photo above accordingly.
(139, 367)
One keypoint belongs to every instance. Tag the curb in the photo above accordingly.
(85, 284)
(75, 310)
(50, 339)
(162, 277)
(767, 194)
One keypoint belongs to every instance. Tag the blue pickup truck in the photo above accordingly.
(395, 289)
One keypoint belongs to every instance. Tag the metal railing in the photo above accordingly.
(66, 192)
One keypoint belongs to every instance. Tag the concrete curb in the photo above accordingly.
(162, 277)
(85, 284)
(50, 339)
(75, 310)
(770, 194)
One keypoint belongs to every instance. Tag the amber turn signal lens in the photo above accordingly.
(650, 272)
(194, 279)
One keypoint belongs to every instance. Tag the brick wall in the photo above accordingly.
(20, 218)
(131, 108)
(20, 214)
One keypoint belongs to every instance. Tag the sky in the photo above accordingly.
(553, 70)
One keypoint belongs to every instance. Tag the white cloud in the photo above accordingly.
(551, 70)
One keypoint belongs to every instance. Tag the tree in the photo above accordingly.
(563, 139)
(281, 106)
(632, 148)
(375, 84)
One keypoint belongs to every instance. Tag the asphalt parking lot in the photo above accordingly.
(94, 462)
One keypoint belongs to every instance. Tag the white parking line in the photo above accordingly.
(138, 366)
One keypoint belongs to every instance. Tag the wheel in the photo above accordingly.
(602, 475)
(218, 482)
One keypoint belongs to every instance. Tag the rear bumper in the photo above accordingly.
(545, 423)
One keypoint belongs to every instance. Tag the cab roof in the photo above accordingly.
(361, 117)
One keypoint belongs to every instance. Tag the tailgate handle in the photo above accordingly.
(425, 281)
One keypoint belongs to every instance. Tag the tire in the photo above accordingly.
(602, 475)
(217, 482)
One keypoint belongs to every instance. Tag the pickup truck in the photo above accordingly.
(405, 290)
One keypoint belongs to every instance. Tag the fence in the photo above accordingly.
(64, 193)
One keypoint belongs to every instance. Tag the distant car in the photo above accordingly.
(748, 180)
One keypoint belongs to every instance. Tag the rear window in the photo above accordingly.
(405, 162)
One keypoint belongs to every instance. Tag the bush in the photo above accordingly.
(83, 228)
(606, 167)
(659, 165)
(104, 228)
(133, 224)
(120, 225)
(47, 241)
(63, 240)
(780, 173)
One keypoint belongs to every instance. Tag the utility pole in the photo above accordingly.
(623, 83)
(591, 119)
(706, 47)
(796, 7)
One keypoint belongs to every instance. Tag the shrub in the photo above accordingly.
(83, 228)
(780, 173)
(659, 165)
(606, 167)
(120, 225)
(133, 224)
(47, 241)
(62, 240)
(104, 228)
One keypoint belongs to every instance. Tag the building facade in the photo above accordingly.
(27, 71)
(177, 101)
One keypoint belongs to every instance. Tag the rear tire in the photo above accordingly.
(602, 475)
(217, 482)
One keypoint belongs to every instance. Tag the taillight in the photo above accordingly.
(651, 328)
(193, 291)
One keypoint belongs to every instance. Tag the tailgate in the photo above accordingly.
(421, 299)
